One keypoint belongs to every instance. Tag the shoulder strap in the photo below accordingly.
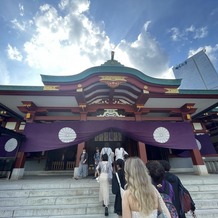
(167, 187)
(118, 180)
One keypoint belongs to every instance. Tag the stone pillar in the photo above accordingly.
(142, 152)
(18, 170)
(198, 163)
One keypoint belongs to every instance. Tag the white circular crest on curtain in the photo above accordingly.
(67, 135)
(11, 145)
(161, 135)
(198, 144)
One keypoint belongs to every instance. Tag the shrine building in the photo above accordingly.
(44, 128)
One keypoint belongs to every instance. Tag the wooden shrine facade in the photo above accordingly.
(110, 92)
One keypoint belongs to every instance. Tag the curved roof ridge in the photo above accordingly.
(109, 67)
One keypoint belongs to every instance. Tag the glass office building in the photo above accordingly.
(197, 72)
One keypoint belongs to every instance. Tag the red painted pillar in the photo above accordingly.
(20, 160)
(196, 157)
(198, 163)
(18, 170)
(142, 152)
(79, 151)
(83, 117)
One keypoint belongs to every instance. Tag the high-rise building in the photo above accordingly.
(197, 72)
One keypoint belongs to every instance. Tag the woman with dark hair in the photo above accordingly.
(157, 174)
(104, 170)
(107, 150)
(96, 160)
(119, 167)
(177, 187)
(83, 165)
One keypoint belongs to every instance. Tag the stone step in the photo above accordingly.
(50, 192)
(67, 183)
(206, 213)
(196, 192)
(206, 204)
(36, 185)
(95, 211)
(55, 197)
(198, 180)
(37, 201)
(204, 195)
(201, 188)
(111, 215)
(52, 210)
(34, 188)
(203, 201)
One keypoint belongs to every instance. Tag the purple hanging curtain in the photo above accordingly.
(43, 137)
(206, 144)
(8, 146)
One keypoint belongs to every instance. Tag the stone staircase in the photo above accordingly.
(204, 191)
(64, 197)
(51, 197)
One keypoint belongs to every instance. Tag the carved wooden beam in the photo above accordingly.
(80, 97)
(188, 108)
(29, 105)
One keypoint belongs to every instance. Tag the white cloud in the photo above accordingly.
(189, 33)
(4, 78)
(190, 29)
(198, 33)
(144, 54)
(65, 44)
(176, 34)
(201, 33)
(14, 54)
(75, 6)
(21, 8)
(210, 51)
(68, 42)
(168, 74)
(214, 12)
(19, 26)
(22, 26)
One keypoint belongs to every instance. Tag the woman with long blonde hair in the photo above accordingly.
(140, 199)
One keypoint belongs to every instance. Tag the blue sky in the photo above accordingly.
(65, 37)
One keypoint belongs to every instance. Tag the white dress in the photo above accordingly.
(104, 186)
(136, 214)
